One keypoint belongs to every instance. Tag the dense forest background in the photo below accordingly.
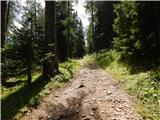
(26, 47)
(130, 28)
(125, 31)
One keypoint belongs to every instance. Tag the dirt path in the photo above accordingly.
(91, 95)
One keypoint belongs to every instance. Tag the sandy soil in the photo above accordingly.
(91, 95)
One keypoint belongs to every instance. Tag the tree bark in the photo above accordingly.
(50, 67)
(3, 34)
(68, 37)
(3, 22)
(29, 69)
(7, 14)
(93, 42)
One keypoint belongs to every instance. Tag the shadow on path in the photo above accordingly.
(73, 111)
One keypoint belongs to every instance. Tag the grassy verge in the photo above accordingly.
(17, 99)
(144, 85)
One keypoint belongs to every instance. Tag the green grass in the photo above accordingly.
(144, 85)
(17, 99)
(6, 91)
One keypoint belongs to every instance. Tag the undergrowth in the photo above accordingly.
(145, 85)
(17, 99)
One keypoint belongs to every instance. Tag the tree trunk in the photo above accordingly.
(50, 67)
(3, 34)
(29, 69)
(56, 61)
(7, 14)
(68, 37)
(93, 42)
(3, 22)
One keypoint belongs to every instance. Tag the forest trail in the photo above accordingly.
(90, 95)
